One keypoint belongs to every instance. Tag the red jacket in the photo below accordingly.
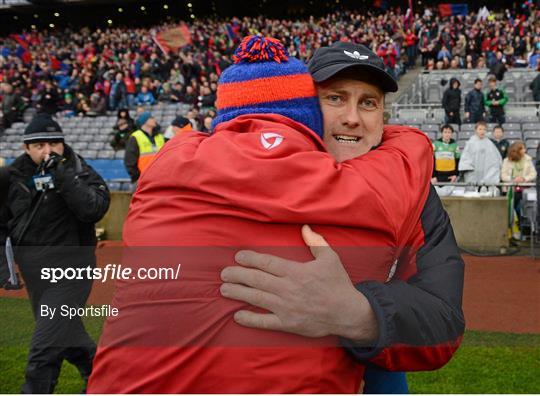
(242, 188)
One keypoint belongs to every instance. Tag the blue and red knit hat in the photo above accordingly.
(264, 79)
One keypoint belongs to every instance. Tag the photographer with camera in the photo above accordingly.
(53, 201)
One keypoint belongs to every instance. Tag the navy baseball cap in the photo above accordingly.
(329, 61)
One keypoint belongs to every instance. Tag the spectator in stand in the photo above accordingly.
(410, 41)
(165, 93)
(122, 130)
(447, 154)
(190, 97)
(98, 104)
(535, 85)
(518, 168)
(474, 103)
(534, 58)
(145, 97)
(497, 137)
(495, 100)
(82, 104)
(68, 108)
(12, 106)
(444, 54)
(118, 94)
(451, 102)
(49, 98)
(207, 98)
(130, 91)
(207, 124)
(178, 125)
(143, 145)
(177, 94)
(388, 54)
(480, 161)
(193, 116)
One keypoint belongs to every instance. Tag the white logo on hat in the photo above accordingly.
(267, 137)
(356, 55)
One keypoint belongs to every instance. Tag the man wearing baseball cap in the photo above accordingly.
(352, 82)
(54, 199)
(178, 125)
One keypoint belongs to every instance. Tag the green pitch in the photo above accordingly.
(485, 362)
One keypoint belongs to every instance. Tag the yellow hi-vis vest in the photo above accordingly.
(147, 150)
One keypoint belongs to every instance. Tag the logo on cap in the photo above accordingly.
(267, 137)
(356, 55)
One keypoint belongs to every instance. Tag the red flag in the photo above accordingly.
(172, 39)
(20, 39)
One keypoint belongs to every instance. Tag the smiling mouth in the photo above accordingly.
(346, 139)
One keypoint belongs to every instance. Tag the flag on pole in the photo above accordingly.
(382, 4)
(172, 39)
(20, 39)
(453, 9)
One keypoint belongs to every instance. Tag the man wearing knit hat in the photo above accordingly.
(54, 199)
(143, 145)
(261, 175)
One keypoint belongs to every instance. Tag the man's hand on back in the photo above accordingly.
(312, 299)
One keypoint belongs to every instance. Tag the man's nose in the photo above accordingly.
(47, 149)
(352, 116)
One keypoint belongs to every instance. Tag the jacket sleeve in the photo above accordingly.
(487, 100)
(131, 157)
(504, 99)
(85, 194)
(445, 100)
(530, 171)
(506, 171)
(421, 321)
(468, 103)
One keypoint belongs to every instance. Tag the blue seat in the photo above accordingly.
(109, 169)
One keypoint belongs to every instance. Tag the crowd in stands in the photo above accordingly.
(86, 73)
(493, 40)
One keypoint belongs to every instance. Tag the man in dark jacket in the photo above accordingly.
(497, 137)
(49, 98)
(118, 94)
(451, 102)
(12, 106)
(474, 103)
(54, 199)
(495, 99)
(535, 85)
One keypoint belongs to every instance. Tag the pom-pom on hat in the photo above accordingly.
(264, 79)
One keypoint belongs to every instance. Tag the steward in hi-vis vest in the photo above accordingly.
(143, 145)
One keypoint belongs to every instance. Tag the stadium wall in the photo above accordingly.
(480, 224)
